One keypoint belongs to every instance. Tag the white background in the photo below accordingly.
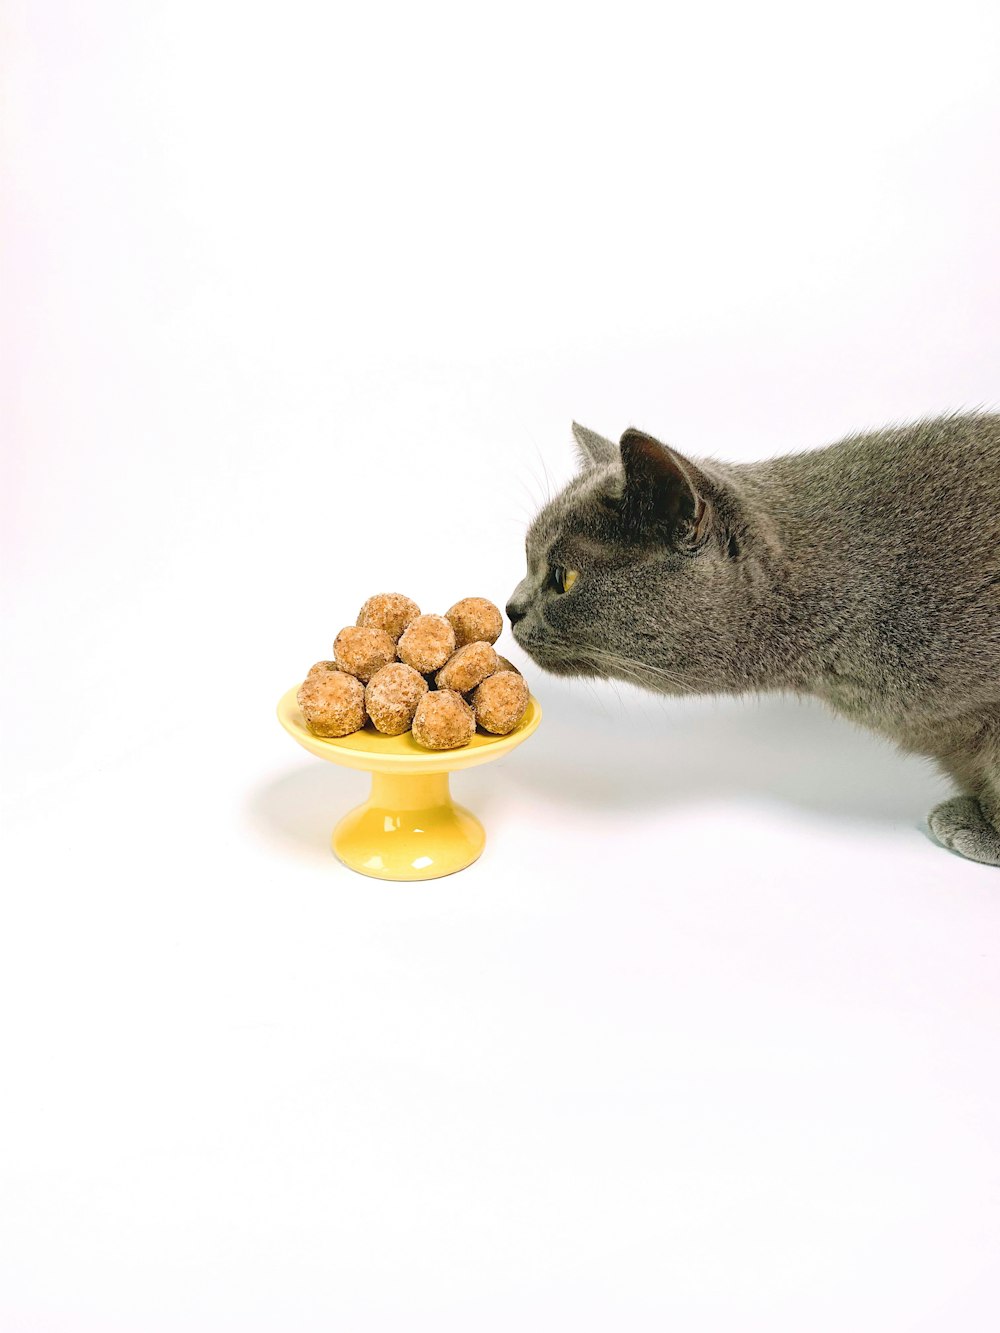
(298, 304)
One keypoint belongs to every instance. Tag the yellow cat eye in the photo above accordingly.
(564, 578)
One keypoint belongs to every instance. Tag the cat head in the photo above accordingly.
(634, 570)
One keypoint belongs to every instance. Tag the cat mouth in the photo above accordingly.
(565, 666)
(555, 661)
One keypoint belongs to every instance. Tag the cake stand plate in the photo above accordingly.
(409, 828)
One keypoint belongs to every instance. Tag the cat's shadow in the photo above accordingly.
(597, 751)
(636, 752)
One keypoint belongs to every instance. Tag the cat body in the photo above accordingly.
(866, 573)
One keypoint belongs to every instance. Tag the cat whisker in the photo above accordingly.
(529, 495)
(545, 472)
(637, 673)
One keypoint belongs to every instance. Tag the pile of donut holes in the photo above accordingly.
(438, 677)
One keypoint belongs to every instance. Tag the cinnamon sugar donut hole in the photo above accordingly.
(426, 643)
(361, 650)
(390, 611)
(500, 702)
(504, 664)
(465, 669)
(475, 620)
(443, 721)
(332, 702)
(391, 697)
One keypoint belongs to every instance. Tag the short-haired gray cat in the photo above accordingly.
(866, 573)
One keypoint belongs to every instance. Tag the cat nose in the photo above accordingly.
(514, 613)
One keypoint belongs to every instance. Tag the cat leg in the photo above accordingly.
(970, 824)
(961, 825)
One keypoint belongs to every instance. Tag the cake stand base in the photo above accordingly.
(408, 829)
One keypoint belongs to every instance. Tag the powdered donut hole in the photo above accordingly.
(427, 643)
(500, 702)
(362, 651)
(391, 697)
(390, 611)
(465, 669)
(332, 702)
(475, 620)
(503, 664)
(443, 721)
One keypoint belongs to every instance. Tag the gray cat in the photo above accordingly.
(866, 573)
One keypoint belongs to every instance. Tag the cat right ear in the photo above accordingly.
(592, 449)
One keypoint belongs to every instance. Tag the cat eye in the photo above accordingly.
(563, 579)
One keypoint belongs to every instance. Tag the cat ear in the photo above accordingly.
(663, 493)
(593, 449)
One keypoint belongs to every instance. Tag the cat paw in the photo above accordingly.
(960, 825)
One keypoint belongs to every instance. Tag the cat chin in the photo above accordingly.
(565, 669)
(561, 666)
(556, 663)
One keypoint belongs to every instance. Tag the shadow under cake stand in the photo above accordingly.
(409, 828)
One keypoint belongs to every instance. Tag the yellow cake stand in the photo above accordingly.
(409, 828)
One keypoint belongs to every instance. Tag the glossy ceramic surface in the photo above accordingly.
(409, 828)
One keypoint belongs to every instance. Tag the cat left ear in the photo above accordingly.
(663, 493)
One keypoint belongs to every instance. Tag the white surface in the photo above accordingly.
(708, 1039)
